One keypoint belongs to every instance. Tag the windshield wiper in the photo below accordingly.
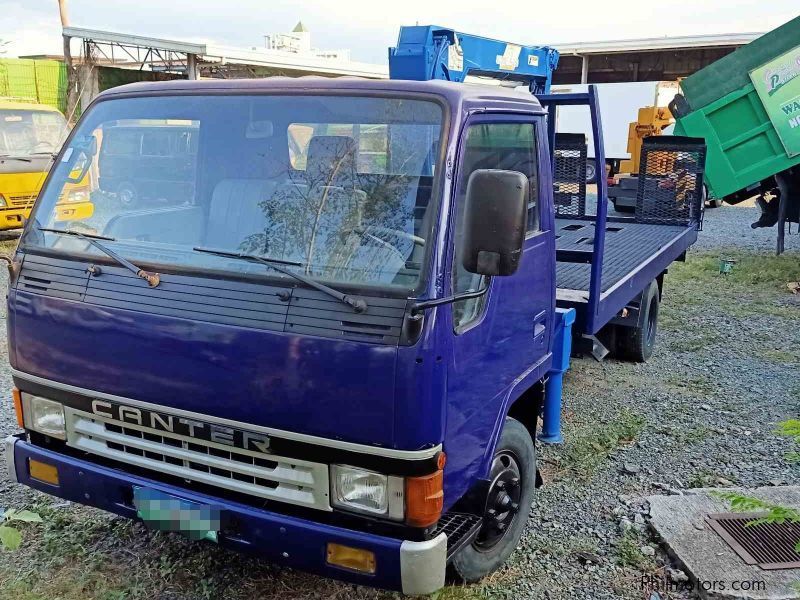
(16, 157)
(153, 279)
(357, 304)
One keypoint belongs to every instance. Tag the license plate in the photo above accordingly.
(168, 513)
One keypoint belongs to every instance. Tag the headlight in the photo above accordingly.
(369, 492)
(77, 196)
(3, 202)
(44, 416)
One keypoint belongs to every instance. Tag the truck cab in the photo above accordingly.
(239, 381)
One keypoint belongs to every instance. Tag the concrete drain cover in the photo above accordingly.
(767, 545)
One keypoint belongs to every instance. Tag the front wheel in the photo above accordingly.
(508, 503)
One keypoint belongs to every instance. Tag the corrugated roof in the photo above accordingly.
(659, 43)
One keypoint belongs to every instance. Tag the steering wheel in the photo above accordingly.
(395, 232)
(46, 146)
(366, 232)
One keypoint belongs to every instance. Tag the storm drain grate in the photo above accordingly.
(768, 545)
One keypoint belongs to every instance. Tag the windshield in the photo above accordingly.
(340, 185)
(30, 132)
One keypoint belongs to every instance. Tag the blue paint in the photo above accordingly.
(553, 392)
(428, 52)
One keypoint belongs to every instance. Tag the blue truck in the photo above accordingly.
(334, 348)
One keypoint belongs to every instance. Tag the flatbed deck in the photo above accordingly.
(634, 254)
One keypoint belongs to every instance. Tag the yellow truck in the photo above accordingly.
(30, 134)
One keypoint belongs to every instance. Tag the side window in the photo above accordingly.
(508, 146)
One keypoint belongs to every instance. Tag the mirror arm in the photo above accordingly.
(419, 307)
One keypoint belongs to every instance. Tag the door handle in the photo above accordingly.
(540, 325)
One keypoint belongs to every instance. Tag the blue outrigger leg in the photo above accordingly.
(553, 390)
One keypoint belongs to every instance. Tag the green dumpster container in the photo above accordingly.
(738, 121)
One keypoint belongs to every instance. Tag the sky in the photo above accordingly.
(368, 28)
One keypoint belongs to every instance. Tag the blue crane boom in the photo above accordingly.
(426, 52)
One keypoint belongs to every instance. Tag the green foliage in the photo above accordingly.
(773, 513)
(592, 445)
(629, 552)
(11, 537)
(790, 428)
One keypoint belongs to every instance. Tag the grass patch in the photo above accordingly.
(705, 478)
(756, 287)
(592, 445)
(694, 435)
(629, 553)
(784, 357)
(692, 340)
(751, 270)
(690, 383)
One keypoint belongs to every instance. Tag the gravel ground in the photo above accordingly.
(730, 227)
(702, 412)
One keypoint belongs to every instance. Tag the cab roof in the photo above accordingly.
(466, 95)
(11, 104)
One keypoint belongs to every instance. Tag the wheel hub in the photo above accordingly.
(502, 503)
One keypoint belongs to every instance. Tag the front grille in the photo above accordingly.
(247, 472)
(25, 200)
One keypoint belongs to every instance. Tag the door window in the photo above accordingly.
(507, 146)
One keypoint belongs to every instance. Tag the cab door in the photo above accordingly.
(500, 337)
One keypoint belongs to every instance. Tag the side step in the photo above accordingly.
(461, 529)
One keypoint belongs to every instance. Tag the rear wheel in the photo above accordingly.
(637, 343)
(591, 172)
(508, 504)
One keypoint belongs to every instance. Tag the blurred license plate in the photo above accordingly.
(167, 513)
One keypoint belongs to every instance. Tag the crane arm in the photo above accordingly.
(426, 52)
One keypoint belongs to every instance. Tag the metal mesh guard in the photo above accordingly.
(671, 181)
(569, 177)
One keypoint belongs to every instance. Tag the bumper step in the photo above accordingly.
(461, 529)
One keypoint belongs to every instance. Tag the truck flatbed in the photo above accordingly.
(634, 254)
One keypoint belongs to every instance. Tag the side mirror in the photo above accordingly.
(494, 222)
(79, 158)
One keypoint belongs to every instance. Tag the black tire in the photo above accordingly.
(492, 546)
(126, 194)
(621, 208)
(591, 172)
(637, 343)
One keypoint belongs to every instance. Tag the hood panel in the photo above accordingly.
(333, 388)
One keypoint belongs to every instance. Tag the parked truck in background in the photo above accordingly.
(333, 360)
(747, 108)
(29, 136)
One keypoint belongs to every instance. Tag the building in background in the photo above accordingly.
(298, 41)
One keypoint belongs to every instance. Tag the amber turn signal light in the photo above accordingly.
(18, 406)
(43, 471)
(354, 559)
(424, 499)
